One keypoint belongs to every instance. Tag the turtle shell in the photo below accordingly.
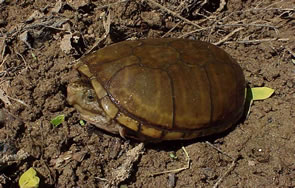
(167, 89)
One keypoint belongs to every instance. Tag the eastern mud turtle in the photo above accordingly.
(159, 89)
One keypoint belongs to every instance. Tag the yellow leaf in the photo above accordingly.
(261, 93)
(29, 179)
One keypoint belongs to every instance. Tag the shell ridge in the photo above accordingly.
(210, 95)
(107, 85)
(140, 119)
(173, 99)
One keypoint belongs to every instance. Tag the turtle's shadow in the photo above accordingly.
(174, 145)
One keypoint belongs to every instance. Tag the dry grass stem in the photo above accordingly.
(174, 13)
(171, 30)
(259, 40)
(25, 62)
(230, 167)
(221, 6)
(219, 150)
(290, 51)
(187, 166)
(228, 36)
(225, 174)
(106, 25)
(111, 4)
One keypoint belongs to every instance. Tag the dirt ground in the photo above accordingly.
(39, 41)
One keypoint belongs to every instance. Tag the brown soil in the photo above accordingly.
(39, 41)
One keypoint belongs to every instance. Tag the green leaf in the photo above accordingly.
(82, 123)
(261, 93)
(173, 156)
(29, 179)
(34, 56)
(58, 120)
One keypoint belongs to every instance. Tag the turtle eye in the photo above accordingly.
(90, 95)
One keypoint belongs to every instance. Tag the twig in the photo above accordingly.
(256, 25)
(221, 6)
(187, 166)
(228, 36)
(219, 150)
(259, 40)
(22, 57)
(225, 174)
(259, 9)
(19, 101)
(111, 4)
(194, 31)
(230, 167)
(3, 60)
(163, 36)
(290, 51)
(174, 13)
(253, 24)
(106, 25)
(2, 49)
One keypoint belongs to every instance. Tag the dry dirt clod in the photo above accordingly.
(77, 4)
(66, 44)
(124, 171)
(36, 15)
(58, 6)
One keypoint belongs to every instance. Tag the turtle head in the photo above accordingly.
(82, 96)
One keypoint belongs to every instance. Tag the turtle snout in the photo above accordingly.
(71, 94)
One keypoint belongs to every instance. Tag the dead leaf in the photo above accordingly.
(77, 4)
(4, 97)
(36, 15)
(65, 44)
(26, 38)
(123, 172)
(58, 6)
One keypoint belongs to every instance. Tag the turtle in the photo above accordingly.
(159, 89)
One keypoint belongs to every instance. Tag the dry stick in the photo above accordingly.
(290, 51)
(219, 150)
(25, 62)
(106, 25)
(259, 40)
(228, 36)
(194, 31)
(256, 25)
(52, 177)
(259, 9)
(111, 4)
(2, 48)
(221, 6)
(163, 36)
(3, 60)
(18, 100)
(226, 173)
(174, 13)
(282, 1)
(179, 169)
(225, 25)
(197, 30)
(230, 167)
